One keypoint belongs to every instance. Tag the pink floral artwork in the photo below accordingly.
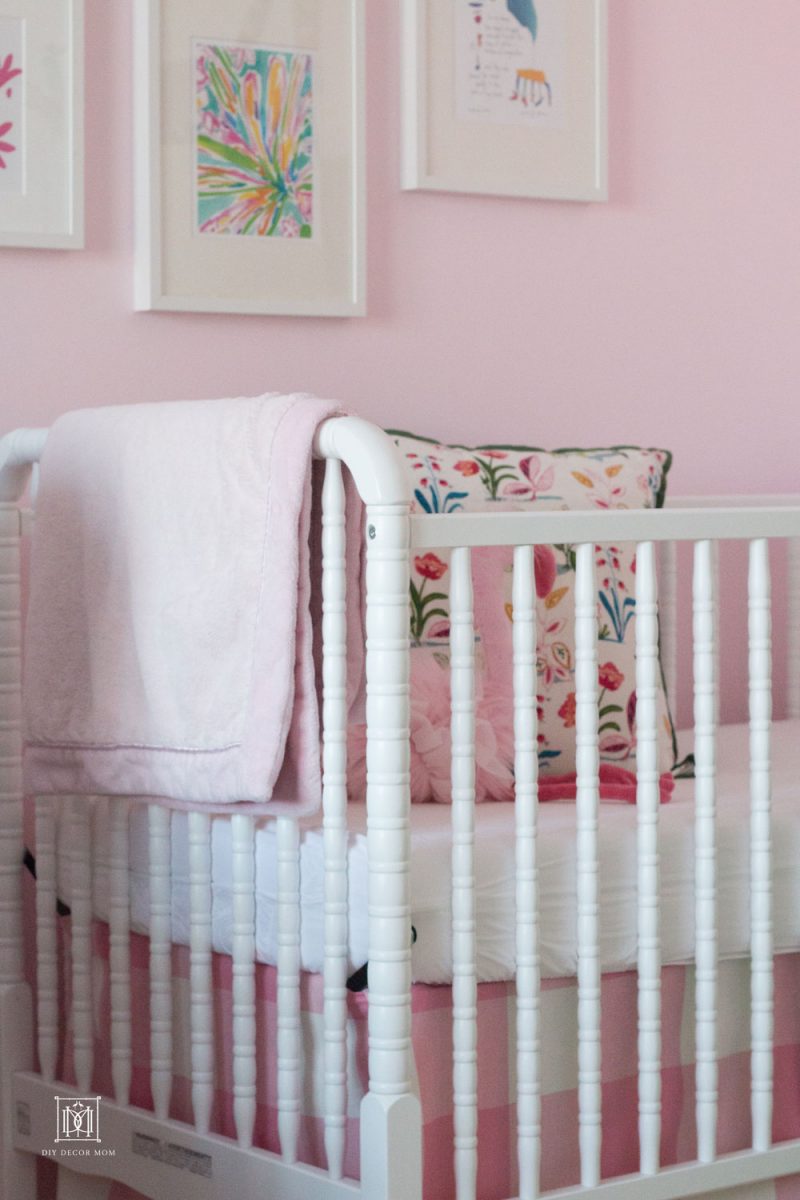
(11, 95)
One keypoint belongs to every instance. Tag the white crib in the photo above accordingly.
(186, 1159)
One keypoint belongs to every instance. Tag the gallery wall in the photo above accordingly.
(668, 316)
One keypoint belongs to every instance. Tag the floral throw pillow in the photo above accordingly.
(455, 478)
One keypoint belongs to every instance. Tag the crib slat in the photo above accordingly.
(11, 838)
(244, 978)
(465, 998)
(668, 622)
(705, 718)
(81, 937)
(202, 1003)
(160, 960)
(715, 569)
(793, 668)
(334, 807)
(288, 986)
(526, 770)
(46, 938)
(760, 843)
(647, 812)
(588, 795)
(119, 948)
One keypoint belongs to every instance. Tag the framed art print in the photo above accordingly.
(249, 156)
(505, 97)
(41, 123)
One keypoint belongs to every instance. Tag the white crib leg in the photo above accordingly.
(465, 997)
(391, 1124)
(334, 806)
(526, 770)
(587, 801)
(73, 1186)
(17, 1170)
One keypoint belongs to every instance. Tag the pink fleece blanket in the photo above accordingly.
(169, 640)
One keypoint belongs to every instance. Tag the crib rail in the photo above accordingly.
(433, 531)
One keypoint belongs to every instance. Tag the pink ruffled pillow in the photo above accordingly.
(494, 750)
(431, 743)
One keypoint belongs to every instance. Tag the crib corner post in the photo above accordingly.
(17, 1170)
(391, 1121)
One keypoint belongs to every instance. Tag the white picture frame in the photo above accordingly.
(198, 246)
(504, 104)
(41, 123)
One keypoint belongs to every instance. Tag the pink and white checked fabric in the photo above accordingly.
(496, 1067)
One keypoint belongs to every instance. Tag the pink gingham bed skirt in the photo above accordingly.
(497, 1118)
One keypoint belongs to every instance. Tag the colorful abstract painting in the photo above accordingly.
(254, 141)
(11, 93)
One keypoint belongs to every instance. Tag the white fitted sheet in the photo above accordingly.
(494, 862)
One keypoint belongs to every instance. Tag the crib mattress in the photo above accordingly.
(494, 864)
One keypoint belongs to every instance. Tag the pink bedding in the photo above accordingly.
(432, 1043)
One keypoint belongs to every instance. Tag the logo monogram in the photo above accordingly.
(77, 1119)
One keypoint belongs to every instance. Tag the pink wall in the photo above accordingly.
(669, 316)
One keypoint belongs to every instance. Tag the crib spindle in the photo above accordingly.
(587, 802)
(160, 960)
(46, 938)
(244, 977)
(202, 1000)
(81, 937)
(289, 1064)
(11, 841)
(793, 657)
(119, 951)
(334, 807)
(465, 995)
(705, 718)
(647, 812)
(760, 844)
(668, 618)
(716, 548)
(526, 769)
